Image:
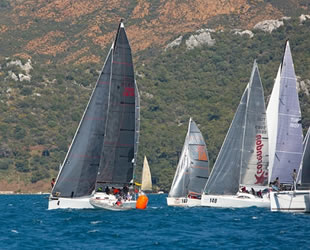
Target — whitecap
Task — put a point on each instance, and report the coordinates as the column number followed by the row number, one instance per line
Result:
column 95, row 222
column 254, row 218
column 14, row 231
column 93, row 231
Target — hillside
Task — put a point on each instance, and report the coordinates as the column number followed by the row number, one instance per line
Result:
column 51, row 53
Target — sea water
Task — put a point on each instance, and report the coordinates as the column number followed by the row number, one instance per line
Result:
column 27, row 224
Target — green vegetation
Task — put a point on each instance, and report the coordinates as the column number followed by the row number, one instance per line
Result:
column 205, row 83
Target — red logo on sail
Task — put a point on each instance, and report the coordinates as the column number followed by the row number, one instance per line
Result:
column 129, row 92
column 202, row 156
column 260, row 175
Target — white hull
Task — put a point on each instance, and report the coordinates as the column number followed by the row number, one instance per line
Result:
column 183, row 202
column 109, row 202
column 65, row 203
column 290, row 201
column 240, row 200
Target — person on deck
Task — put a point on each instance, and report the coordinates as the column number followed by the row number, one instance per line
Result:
column 53, row 182
column 107, row 190
column 294, row 176
column 276, row 184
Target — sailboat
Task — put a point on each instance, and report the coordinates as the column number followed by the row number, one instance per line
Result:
column 284, row 117
column 297, row 200
column 241, row 165
column 192, row 171
column 146, row 184
column 103, row 151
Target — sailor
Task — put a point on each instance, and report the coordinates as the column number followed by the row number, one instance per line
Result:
column 294, row 176
column 107, row 190
column 53, row 182
column 276, row 184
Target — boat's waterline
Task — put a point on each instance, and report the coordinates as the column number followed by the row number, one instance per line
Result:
column 65, row 203
column 183, row 202
column 241, row 200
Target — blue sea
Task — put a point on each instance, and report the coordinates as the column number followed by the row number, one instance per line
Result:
column 27, row 224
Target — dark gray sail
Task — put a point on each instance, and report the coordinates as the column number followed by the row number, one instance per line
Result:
column 116, row 165
column 255, row 158
column 224, row 178
column 305, row 163
column 79, row 170
column 288, row 151
column 193, row 167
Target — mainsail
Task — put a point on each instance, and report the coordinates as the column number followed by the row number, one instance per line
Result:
column 288, row 150
column 146, row 184
column 79, row 169
column 119, row 145
column 193, row 167
column 254, row 154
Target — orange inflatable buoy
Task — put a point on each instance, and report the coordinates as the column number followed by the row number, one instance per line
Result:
column 142, row 202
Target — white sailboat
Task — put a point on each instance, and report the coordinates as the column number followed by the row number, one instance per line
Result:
column 146, row 183
column 243, row 159
column 192, row 171
column 104, row 149
column 287, row 152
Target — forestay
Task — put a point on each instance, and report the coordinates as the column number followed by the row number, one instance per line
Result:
column 289, row 147
column 193, row 167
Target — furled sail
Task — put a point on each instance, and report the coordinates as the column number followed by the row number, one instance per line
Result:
column 146, row 177
column 224, row 178
column 255, row 158
column 116, row 165
column 79, row 170
column 193, row 167
column 289, row 147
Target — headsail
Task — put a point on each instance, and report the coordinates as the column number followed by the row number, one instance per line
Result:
column 79, row 170
column 272, row 114
column 193, row 167
column 146, row 177
column 305, row 163
column 289, row 147
column 224, row 178
column 116, row 165
column 254, row 163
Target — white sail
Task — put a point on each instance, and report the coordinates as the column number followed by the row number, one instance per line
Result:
column 146, row 176
column 254, row 153
column 272, row 120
